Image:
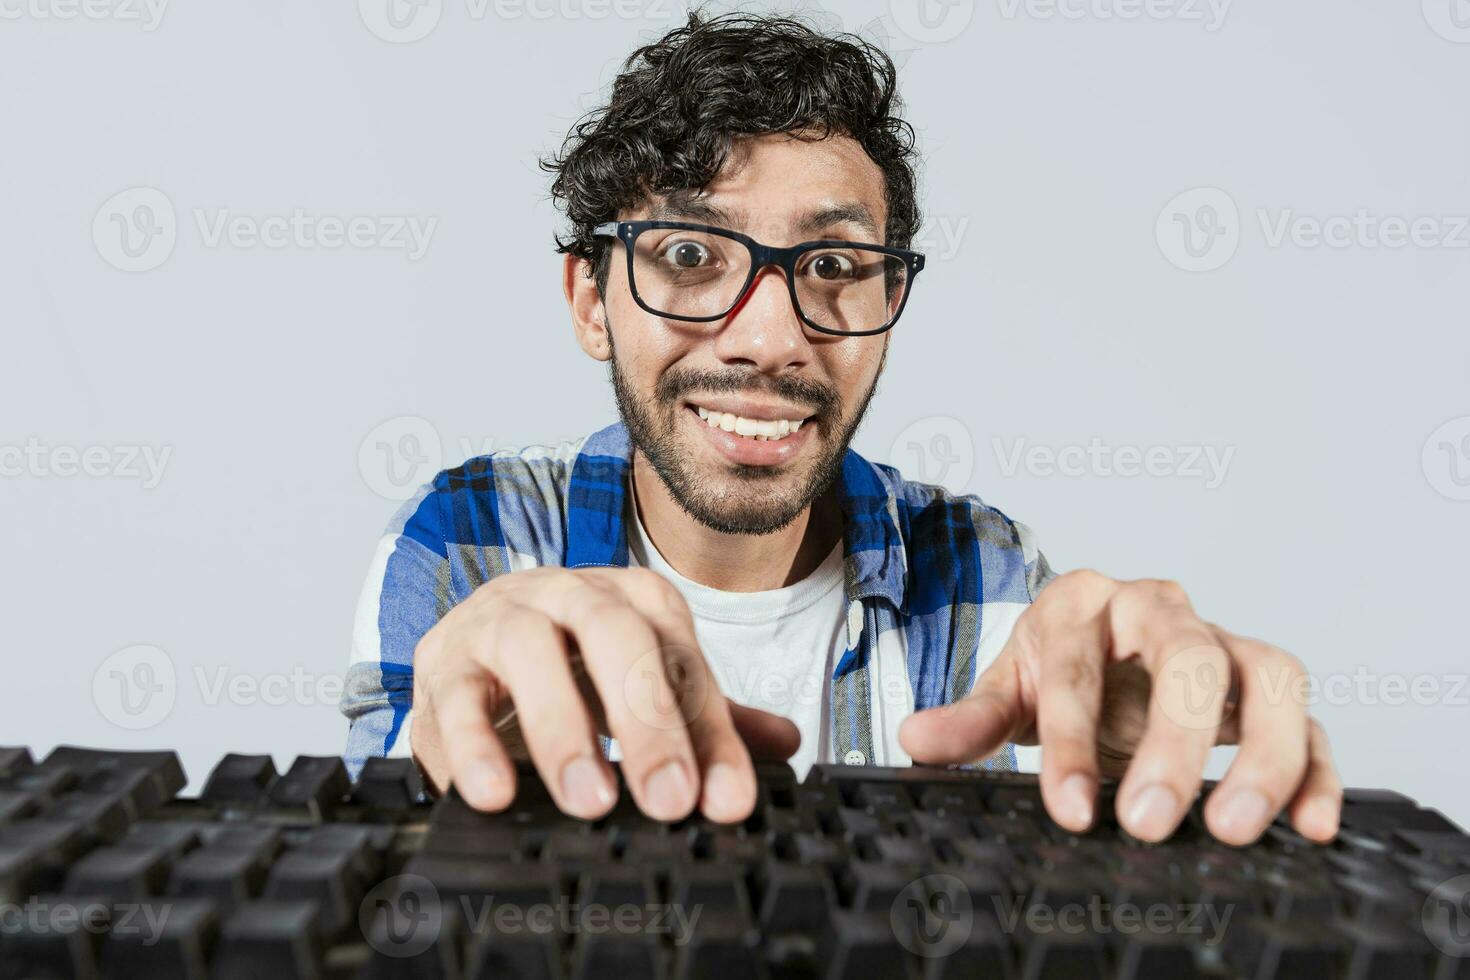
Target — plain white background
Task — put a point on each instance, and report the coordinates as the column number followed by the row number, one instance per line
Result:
column 1065, row 327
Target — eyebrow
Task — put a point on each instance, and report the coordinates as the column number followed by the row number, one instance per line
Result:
column 683, row 207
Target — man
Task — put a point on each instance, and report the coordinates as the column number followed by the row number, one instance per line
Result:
column 719, row 576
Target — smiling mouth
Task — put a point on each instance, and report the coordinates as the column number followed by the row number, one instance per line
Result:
column 759, row 430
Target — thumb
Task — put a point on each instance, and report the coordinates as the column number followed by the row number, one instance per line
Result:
column 768, row 737
column 975, row 727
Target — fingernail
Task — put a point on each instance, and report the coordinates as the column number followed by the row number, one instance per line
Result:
column 723, row 789
column 1153, row 812
column 478, row 784
column 1074, row 799
column 668, row 792
column 1244, row 814
column 585, row 787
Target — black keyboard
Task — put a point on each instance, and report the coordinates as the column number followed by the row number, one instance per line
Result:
column 854, row 872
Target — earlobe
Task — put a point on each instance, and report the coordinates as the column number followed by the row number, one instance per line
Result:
column 589, row 318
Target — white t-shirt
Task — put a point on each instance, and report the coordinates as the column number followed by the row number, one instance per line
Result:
column 773, row 650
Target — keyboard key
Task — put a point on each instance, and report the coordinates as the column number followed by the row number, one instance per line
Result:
column 858, row 945
column 392, row 785
column 1062, row 953
column 229, row 877
column 327, row 878
column 1282, row 951
column 161, row 939
column 165, row 775
column 271, row 941
column 240, row 781
column 121, row 873
column 14, row 759
column 313, row 786
column 719, row 949
column 413, row 935
column 53, row 936
column 794, row 897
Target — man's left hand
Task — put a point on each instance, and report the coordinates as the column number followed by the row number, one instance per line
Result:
column 1124, row 679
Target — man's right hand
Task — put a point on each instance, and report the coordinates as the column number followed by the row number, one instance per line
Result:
column 579, row 652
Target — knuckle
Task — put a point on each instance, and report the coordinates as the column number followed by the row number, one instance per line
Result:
column 662, row 594
column 1085, row 577
column 1167, row 589
column 1088, row 581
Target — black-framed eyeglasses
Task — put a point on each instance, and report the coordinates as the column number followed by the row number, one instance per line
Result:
column 699, row 273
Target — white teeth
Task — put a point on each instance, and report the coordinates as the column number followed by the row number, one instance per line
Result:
column 762, row 429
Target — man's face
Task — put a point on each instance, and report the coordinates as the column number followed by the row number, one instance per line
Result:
column 760, row 364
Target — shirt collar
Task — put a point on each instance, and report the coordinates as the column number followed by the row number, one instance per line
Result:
column 873, row 545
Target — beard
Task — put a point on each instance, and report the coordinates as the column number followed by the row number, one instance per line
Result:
column 739, row 499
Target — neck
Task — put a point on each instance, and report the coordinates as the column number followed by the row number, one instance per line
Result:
column 734, row 562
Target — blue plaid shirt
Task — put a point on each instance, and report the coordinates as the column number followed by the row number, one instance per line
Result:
column 934, row 581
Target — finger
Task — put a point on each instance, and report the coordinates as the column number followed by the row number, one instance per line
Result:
column 462, row 699
column 1190, row 672
column 975, row 726
column 1272, row 761
column 625, row 658
column 529, row 654
column 727, row 790
column 1316, row 808
column 1068, row 705
column 768, row 737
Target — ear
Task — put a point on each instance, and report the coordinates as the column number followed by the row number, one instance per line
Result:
column 588, row 315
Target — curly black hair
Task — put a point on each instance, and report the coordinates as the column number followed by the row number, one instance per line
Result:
column 680, row 103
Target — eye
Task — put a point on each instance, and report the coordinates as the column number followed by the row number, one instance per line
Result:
column 831, row 266
column 687, row 255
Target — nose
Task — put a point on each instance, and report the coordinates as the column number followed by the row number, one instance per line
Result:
column 763, row 330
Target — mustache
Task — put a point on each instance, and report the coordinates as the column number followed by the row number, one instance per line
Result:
column 804, row 392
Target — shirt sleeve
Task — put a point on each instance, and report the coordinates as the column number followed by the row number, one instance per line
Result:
column 406, row 592
column 1038, row 571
